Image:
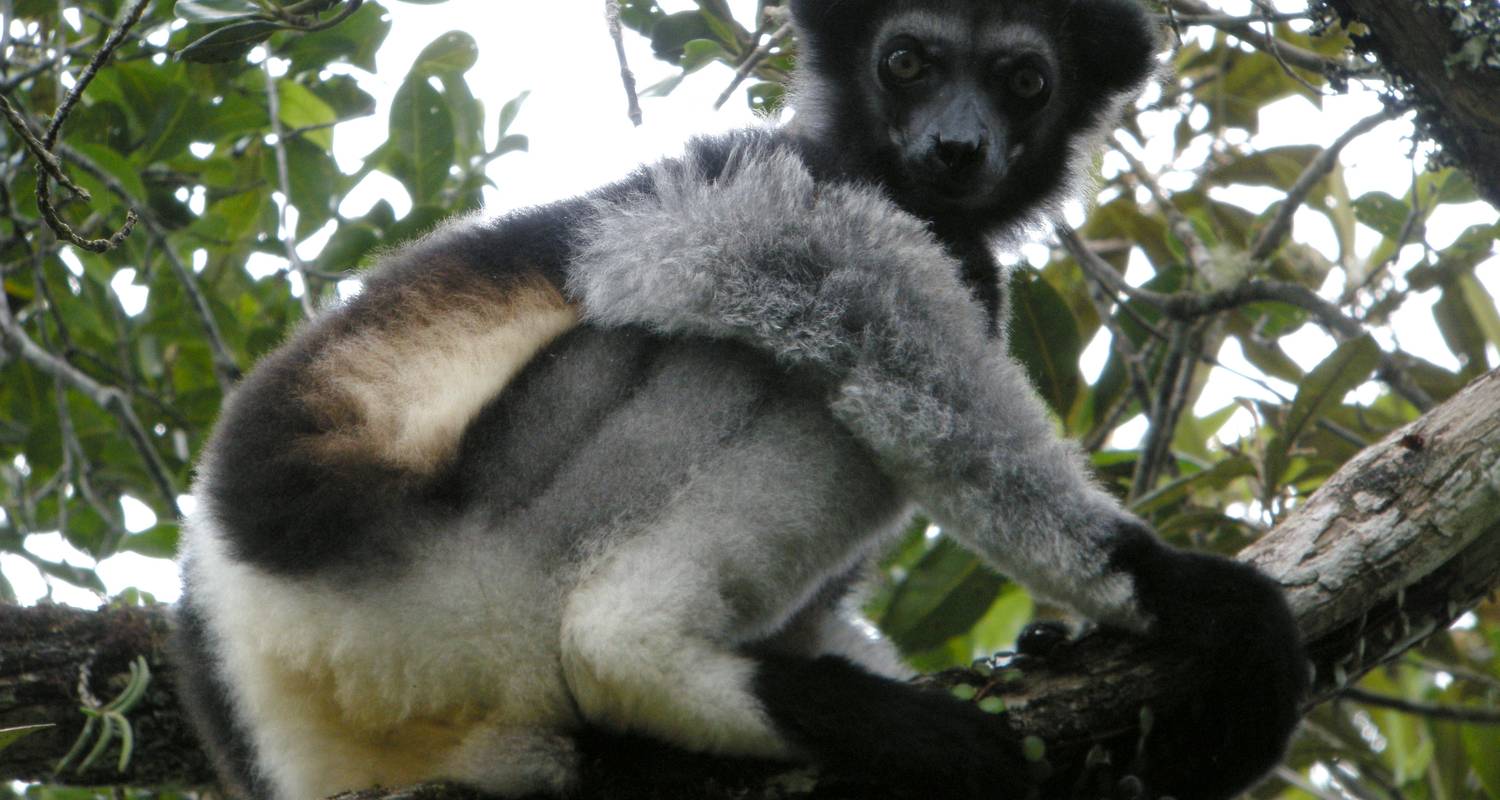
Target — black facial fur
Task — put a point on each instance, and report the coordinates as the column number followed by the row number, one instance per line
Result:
column 983, row 121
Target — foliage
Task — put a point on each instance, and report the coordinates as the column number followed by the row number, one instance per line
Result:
column 226, row 156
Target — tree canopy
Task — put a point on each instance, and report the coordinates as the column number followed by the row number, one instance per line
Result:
column 1231, row 321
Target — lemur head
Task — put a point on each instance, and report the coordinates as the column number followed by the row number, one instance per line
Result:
column 975, row 112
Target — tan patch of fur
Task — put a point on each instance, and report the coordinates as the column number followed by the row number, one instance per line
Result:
column 402, row 381
column 340, row 752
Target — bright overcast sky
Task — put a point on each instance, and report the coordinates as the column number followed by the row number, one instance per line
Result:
column 580, row 137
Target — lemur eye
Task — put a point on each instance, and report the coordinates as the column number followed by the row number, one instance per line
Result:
column 905, row 65
column 1027, row 83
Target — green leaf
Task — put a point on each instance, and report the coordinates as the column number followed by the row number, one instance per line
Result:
column 509, row 111
column 300, row 108
column 1460, row 328
column 1218, row 476
column 1350, row 365
column 1045, row 338
column 117, row 166
column 451, row 54
column 1481, row 307
column 671, row 34
column 9, row 736
column 229, row 43
column 1278, row 167
column 214, row 10
column 510, row 144
column 699, row 53
column 78, row 576
column 1382, row 212
column 943, row 596
column 355, row 40
column 421, row 147
column 158, row 542
column 1482, row 742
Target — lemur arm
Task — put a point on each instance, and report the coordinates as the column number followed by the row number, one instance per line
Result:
column 837, row 279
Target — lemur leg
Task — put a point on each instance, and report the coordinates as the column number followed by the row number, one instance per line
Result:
column 641, row 654
column 830, row 625
column 514, row 762
column 642, row 651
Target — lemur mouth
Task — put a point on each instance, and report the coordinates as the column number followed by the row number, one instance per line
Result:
column 967, row 192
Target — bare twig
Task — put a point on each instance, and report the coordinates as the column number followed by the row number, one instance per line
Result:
column 1197, row 252
column 1275, row 46
column 612, row 19
column 1320, row 166
column 1242, row 28
column 132, row 16
column 1177, row 372
column 48, row 164
column 1476, row 716
column 283, row 177
column 752, row 61
column 1192, row 305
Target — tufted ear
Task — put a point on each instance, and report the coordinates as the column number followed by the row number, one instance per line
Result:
column 1117, row 41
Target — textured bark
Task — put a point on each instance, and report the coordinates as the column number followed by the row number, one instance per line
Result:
column 1459, row 106
column 52, row 657
column 1404, row 538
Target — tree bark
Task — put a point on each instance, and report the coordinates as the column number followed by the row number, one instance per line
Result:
column 1458, row 104
column 1397, row 544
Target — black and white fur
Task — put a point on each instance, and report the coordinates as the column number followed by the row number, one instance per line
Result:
column 616, row 461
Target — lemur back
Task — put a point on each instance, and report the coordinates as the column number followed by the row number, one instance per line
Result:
column 616, row 462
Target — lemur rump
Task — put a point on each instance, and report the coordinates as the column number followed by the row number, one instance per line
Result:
column 615, row 461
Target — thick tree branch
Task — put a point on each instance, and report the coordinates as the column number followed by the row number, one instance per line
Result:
column 1397, row 544
column 1458, row 104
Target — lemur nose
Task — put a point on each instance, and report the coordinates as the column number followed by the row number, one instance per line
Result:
column 959, row 155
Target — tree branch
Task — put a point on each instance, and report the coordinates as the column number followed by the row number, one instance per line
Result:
column 1458, row 104
column 612, row 20
column 1316, row 170
column 1395, row 545
column 13, row 337
column 1478, row 716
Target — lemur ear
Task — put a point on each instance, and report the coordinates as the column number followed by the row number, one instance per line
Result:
column 1115, row 42
column 835, row 26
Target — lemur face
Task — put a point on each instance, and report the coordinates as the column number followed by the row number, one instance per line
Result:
column 959, row 102
column 979, row 109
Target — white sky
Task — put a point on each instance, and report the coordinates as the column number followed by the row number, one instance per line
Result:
column 580, row 138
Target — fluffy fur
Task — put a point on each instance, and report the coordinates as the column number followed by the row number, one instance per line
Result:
column 616, row 462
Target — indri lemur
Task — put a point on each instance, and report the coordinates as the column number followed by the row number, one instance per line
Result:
column 616, row 461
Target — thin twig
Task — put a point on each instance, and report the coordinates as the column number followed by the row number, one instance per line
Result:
column 132, row 16
column 1177, row 373
column 1242, row 28
column 109, row 398
column 1476, row 716
column 226, row 370
column 1275, row 45
column 752, row 61
column 48, row 164
column 283, row 177
column 612, row 19
column 1316, row 170
column 1197, row 251
column 1192, row 305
